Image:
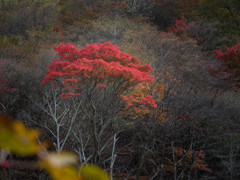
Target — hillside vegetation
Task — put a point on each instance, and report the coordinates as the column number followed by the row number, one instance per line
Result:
column 144, row 89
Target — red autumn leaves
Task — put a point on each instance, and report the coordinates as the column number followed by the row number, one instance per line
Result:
column 228, row 67
column 98, row 65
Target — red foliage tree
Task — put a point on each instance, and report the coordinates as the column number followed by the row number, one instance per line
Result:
column 229, row 65
column 97, row 66
column 182, row 27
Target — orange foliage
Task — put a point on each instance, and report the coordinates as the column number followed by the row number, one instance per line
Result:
column 192, row 159
column 139, row 103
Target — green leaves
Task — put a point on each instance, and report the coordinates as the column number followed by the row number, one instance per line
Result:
column 226, row 12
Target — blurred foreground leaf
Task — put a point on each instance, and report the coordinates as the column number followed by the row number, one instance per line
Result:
column 61, row 173
column 89, row 172
column 15, row 137
column 59, row 159
column 57, row 164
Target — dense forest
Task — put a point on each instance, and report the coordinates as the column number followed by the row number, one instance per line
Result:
column 132, row 89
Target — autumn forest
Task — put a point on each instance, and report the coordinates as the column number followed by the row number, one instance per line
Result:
column 119, row 89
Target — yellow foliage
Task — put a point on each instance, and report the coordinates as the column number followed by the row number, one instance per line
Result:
column 15, row 137
column 89, row 172
column 61, row 173
column 58, row 166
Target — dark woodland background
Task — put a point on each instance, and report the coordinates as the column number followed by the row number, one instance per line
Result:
column 195, row 131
